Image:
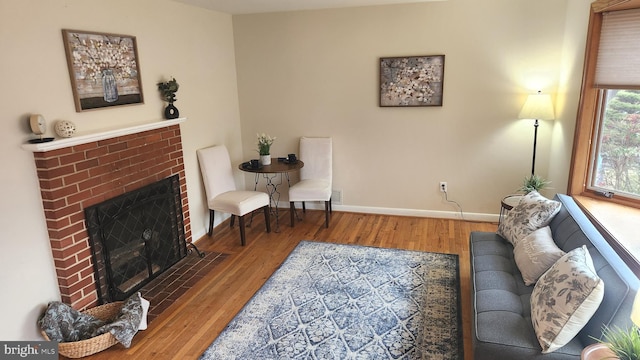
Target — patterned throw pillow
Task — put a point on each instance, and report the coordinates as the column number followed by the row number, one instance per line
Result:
column 565, row 298
column 532, row 212
column 535, row 254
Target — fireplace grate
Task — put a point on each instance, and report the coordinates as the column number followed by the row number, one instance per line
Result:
column 135, row 237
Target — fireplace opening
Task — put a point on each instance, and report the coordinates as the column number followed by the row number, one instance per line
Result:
column 135, row 237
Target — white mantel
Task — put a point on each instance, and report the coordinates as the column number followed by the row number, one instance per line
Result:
column 108, row 134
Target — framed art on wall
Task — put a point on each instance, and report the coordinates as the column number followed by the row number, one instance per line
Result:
column 411, row 81
column 103, row 68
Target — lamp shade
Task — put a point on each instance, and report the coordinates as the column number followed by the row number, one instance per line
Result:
column 635, row 312
column 537, row 107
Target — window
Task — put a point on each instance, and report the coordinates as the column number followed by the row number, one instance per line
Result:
column 615, row 161
column 606, row 154
column 605, row 166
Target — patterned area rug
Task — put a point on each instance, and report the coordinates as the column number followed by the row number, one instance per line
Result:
column 330, row 301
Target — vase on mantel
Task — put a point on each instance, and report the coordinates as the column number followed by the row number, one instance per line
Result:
column 171, row 112
column 265, row 159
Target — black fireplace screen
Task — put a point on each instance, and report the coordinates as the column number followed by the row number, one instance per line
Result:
column 135, row 237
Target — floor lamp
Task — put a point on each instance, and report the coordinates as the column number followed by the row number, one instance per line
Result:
column 537, row 107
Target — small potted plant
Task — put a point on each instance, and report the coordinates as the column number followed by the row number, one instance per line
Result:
column 624, row 343
column 533, row 182
column 264, row 148
column 168, row 90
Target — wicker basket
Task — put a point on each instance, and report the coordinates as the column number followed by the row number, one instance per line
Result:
column 82, row 348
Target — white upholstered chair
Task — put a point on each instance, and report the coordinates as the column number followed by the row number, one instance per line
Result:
column 315, row 176
column 222, row 195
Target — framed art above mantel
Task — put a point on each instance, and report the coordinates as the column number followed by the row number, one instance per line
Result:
column 103, row 68
column 411, row 81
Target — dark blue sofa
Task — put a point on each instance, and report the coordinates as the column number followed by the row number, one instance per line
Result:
column 501, row 310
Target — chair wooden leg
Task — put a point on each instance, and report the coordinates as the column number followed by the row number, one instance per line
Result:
column 330, row 206
column 233, row 220
column 304, row 208
column 327, row 205
column 292, row 211
column 241, row 225
column 210, row 222
column 267, row 218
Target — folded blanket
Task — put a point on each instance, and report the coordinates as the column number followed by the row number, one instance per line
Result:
column 62, row 323
column 126, row 325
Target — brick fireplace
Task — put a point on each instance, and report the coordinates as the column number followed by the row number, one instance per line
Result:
column 79, row 172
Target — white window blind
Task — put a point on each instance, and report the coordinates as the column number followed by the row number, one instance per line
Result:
column 618, row 61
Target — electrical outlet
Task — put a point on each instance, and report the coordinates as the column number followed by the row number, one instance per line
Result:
column 443, row 186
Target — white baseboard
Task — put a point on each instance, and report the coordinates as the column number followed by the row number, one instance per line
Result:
column 403, row 212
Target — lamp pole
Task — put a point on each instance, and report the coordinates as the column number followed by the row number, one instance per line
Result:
column 535, row 140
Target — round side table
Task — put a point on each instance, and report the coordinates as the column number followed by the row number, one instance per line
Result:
column 507, row 203
column 597, row 351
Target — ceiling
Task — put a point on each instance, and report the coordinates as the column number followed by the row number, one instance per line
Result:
column 261, row 6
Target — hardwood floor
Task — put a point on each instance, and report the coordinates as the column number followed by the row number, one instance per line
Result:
column 188, row 326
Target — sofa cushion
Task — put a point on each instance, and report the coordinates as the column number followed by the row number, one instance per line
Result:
column 535, row 254
column 532, row 212
column 565, row 298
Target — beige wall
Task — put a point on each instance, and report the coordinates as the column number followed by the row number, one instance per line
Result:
column 315, row 73
column 568, row 93
column 301, row 73
column 194, row 45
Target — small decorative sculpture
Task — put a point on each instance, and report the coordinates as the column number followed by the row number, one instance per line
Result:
column 65, row 128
